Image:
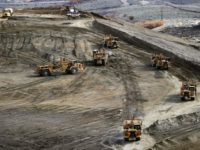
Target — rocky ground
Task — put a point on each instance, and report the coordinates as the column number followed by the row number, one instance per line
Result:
column 86, row 111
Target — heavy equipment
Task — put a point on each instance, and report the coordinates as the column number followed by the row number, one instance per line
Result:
column 188, row 90
column 7, row 12
column 64, row 65
column 110, row 41
column 100, row 57
column 160, row 61
column 132, row 129
column 72, row 12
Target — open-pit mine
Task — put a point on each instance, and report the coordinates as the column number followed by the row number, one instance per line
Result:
column 68, row 82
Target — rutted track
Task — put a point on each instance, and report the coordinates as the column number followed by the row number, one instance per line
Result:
column 125, row 69
column 26, row 85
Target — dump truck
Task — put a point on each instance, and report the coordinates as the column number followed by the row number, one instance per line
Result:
column 100, row 57
column 7, row 12
column 160, row 61
column 188, row 90
column 132, row 129
column 111, row 42
column 64, row 66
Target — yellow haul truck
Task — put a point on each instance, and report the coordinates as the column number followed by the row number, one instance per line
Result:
column 132, row 130
column 110, row 41
column 100, row 57
column 64, row 65
column 160, row 61
column 188, row 91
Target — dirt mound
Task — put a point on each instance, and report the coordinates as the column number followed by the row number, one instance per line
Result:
column 172, row 124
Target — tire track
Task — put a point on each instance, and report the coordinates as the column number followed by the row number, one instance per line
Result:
column 27, row 85
column 124, row 68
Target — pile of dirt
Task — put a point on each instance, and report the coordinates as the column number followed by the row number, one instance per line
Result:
column 173, row 124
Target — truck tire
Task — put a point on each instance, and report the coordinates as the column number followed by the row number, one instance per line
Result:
column 126, row 139
column 166, row 67
column 153, row 64
column 40, row 73
column 182, row 98
column 45, row 73
column 158, row 67
column 67, row 71
column 115, row 45
column 73, row 70
column 103, row 62
column 95, row 62
column 137, row 138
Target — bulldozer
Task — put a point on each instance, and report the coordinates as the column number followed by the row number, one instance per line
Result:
column 188, row 90
column 160, row 61
column 110, row 41
column 100, row 57
column 7, row 12
column 64, row 66
column 132, row 129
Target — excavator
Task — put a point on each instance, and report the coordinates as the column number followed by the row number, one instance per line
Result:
column 110, row 41
column 160, row 61
column 100, row 57
column 132, row 129
column 188, row 90
column 64, row 66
